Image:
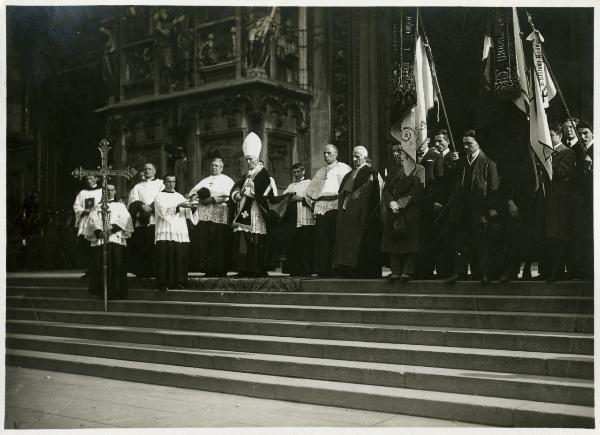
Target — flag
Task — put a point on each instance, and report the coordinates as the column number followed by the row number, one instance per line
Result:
column 522, row 98
column 413, row 92
column 501, row 55
column 487, row 57
column 505, row 110
column 542, row 91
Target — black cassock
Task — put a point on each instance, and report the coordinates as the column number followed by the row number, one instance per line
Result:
column 117, row 271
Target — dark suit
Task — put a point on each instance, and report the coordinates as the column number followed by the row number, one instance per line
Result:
column 579, row 250
column 586, row 226
column 524, row 181
column 444, row 248
column 431, row 161
column 561, row 211
column 475, row 187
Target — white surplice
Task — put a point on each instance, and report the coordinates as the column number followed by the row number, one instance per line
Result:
column 146, row 192
column 170, row 222
column 118, row 216
column 93, row 197
column 219, row 186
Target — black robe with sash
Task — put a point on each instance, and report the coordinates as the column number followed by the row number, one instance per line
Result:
column 358, row 228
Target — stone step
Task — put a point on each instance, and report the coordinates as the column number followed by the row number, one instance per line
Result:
column 492, row 384
column 523, row 288
column 555, row 342
column 532, row 363
column 532, row 288
column 230, row 283
column 540, row 304
column 425, row 317
column 453, row 406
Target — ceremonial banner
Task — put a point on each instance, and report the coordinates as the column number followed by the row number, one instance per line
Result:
column 413, row 92
column 507, row 76
column 500, row 46
column 521, row 100
column 543, row 90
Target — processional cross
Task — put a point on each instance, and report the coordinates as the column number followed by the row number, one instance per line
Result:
column 104, row 172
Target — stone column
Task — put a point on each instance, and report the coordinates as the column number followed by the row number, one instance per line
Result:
column 368, row 84
column 320, row 105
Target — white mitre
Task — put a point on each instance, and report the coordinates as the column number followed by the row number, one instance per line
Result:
column 252, row 145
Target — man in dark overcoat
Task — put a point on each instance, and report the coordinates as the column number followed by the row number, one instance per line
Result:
column 560, row 221
column 431, row 161
column 473, row 208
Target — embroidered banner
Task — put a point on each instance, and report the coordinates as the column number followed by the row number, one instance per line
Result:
column 402, row 77
column 506, row 76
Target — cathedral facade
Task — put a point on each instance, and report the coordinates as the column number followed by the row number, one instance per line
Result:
column 177, row 86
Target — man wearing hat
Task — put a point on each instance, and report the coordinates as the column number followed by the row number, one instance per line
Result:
column 249, row 247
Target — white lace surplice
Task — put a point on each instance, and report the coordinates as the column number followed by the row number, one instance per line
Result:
column 219, row 185
column 170, row 223
column 81, row 222
column 304, row 214
column 118, row 216
column 326, row 182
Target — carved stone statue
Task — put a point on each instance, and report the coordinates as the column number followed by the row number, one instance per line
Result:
column 110, row 66
column 207, row 54
column 185, row 52
column 136, row 23
column 287, row 53
column 231, row 53
column 164, row 26
column 260, row 35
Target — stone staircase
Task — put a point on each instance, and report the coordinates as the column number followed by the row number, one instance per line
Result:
column 518, row 354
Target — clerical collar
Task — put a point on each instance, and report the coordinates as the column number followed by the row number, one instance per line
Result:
column 169, row 191
column 92, row 188
column 150, row 179
column 332, row 164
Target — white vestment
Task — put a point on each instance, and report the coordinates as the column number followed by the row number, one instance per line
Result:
column 146, row 192
column 220, row 187
column 91, row 197
column 304, row 215
column 118, row 216
column 327, row 182
column 170, row 222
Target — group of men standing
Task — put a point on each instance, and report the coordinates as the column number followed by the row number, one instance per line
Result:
column 434, row 215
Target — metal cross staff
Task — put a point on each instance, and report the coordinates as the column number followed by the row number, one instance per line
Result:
column 104, row 172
